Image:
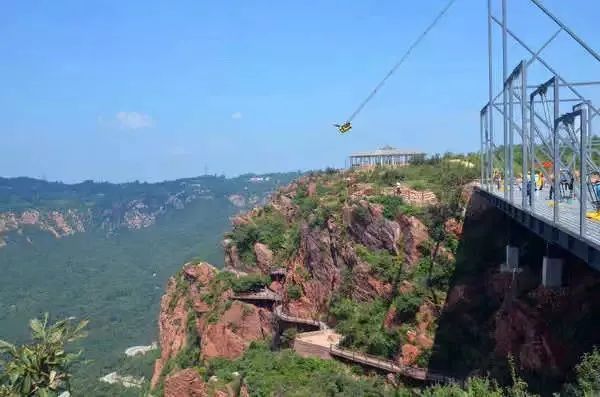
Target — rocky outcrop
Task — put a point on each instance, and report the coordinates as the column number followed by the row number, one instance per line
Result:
column 58, row 223
column 232, row 257
column 413, row 234
column 224, row 334
column 419, row 198
column 284, row 205
column 185, row 383
column 520, row 330
column 368, row 287
column 188, row 383
column 171, row 327
column 264, row 257
column 230, row 336
column 367, row 226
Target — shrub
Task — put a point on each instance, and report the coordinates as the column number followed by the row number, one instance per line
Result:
column 244, row 237
column 291, row 242
column 386, row 266
column 294, row 291
column 390, row 176
column 361, row 213
column 250, row 283
column 407, row 305
column 362, row 326
column 268, row 228
column 322, row 214
column 588, row 376
column 288, row 336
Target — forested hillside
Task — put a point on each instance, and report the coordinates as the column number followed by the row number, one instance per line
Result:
column 109, row 272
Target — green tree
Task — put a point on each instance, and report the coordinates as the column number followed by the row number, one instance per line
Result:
column 42, row 367
column 587, row 382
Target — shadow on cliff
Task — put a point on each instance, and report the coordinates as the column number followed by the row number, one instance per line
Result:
column 488, row 315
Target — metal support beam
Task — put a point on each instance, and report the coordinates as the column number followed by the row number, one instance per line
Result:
column 566, row 29
column 546, row 65
column 539, row 51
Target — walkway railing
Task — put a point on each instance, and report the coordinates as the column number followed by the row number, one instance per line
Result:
column 298, row 320
column 388, row 365
column 358, row 357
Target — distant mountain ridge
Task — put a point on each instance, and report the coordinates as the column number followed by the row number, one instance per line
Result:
column 118, row 245
column 65, row 209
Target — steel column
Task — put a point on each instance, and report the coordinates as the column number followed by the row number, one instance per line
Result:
column 556, row 153
column 504, row 98
column 583, row 170
column 524, row 133
column 490, row 111
column 511, row 132
column 482, row 134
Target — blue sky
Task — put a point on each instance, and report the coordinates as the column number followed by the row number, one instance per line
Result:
column 124, row 90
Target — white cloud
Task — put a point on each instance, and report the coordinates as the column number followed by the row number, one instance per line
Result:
column 134, row 120
column 236, row 115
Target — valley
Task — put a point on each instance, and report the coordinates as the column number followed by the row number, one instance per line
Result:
column 114, row 277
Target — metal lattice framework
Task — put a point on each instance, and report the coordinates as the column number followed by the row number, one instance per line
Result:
column 549, row 133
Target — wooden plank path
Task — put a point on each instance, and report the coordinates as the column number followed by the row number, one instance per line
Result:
column 336, row 351
column 390, row 366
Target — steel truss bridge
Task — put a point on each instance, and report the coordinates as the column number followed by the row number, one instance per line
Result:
column 546, row 125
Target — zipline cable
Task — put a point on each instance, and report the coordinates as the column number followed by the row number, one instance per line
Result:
column 347, row 125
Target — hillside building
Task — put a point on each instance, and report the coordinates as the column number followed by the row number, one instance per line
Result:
column 387, row 155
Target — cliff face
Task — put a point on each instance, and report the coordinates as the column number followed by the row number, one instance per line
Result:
column 198, row 318
column 489, row 316
column 410, row 283
column 324, row 246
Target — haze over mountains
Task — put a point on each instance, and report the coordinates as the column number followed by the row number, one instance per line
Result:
column 103, row 251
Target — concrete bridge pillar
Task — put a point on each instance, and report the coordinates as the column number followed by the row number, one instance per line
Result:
column 552, row 272
column 512, row 259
